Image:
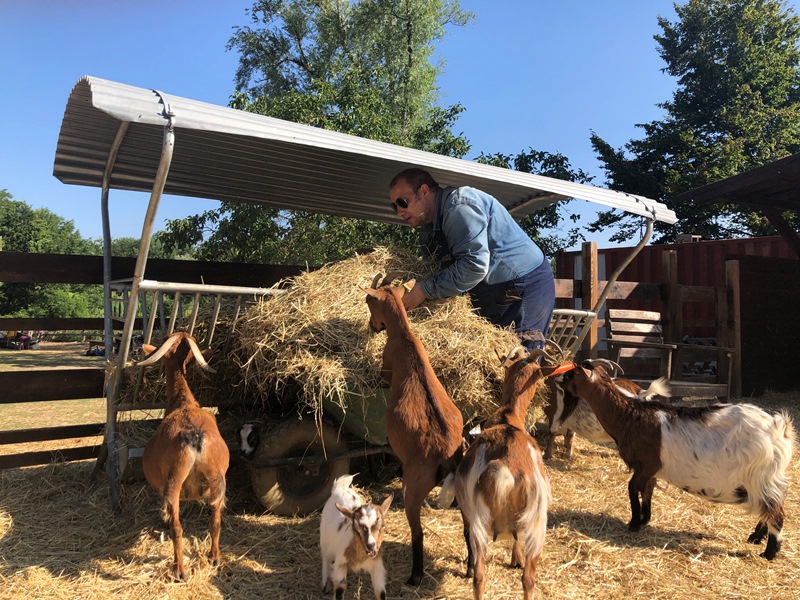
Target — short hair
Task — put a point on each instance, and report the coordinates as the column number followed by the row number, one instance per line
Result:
column 415, row 177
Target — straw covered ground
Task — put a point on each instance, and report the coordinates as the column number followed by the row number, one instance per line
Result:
column 59, row 540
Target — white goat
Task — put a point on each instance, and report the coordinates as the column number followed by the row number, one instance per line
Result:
column 350, row 538
column 725, row 453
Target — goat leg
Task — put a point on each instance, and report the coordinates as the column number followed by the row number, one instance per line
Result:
column 215, row 556
column 479, row 580
column 517, row 559
column 647, row 497
column 636, row 510
column 172, row 511
column 529, row 577
column 470, row 553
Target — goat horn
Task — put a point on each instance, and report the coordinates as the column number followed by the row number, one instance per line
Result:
column 198, row 356
column 391, row 277
column 162, row 350
column 539, row 353
column 376, row 280
column 512, row 355
column 610, row 366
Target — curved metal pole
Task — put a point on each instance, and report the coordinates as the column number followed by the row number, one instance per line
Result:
column 112, row 158
column 110, row 434
column 621, row 267
column 115, row 381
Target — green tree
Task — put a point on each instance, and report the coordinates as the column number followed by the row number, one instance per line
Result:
column 363, row 67
column 25, row 229
column 736, row 107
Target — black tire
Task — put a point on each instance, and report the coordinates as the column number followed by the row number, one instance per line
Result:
column 294, row 490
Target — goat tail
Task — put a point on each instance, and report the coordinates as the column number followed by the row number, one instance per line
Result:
column 448, row 491
column 533, row 520
column 659, row 387
column 194, row 438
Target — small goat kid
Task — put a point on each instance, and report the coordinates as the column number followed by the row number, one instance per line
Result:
column 568, row 414
column 350, row 538
column 186, row 458
column 501, row 485
column 423, row 426
column 725, row 453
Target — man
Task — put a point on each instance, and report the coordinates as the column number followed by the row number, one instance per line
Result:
column 485, row 253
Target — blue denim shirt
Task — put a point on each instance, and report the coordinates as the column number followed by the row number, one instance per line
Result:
column 481, row 238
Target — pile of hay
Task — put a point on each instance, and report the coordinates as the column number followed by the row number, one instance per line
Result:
column 59, row 540
column 313, row 344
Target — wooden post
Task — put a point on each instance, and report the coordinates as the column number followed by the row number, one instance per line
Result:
column 672, row 315
column 590, row 292
column 733, row 324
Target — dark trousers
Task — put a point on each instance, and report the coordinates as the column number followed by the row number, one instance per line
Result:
column 524, row 304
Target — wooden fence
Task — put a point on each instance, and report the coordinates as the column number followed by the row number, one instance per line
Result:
column 32, row 386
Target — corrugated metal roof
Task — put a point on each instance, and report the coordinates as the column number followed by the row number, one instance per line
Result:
column 226, row 154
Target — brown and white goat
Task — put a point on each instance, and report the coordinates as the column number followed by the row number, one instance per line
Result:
column 725, row 453
column 186, row 458
column 423, row 426
column 568, row 414
column 501, row 484
column 350, row 537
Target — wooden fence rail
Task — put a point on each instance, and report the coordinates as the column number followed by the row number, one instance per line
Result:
column 38, row 385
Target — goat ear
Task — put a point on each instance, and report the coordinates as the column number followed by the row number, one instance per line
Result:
column 345, row 511
column 386, row 503
column 148, row 349
column 370, row 292
column 409, row 285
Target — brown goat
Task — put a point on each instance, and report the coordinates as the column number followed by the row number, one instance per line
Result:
column 725, row 453
column 423, row 426
column 186, row 458
column 501, row 485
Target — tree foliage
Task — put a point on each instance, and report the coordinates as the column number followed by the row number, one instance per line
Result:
column 364, row 67
column 736, row 107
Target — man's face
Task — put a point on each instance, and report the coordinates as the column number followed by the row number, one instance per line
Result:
column 413, row 207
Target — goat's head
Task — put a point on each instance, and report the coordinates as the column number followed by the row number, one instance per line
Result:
column 380, row 294
column 584, row 377
column 367, row 523
column 248, row 439
column 179, row 349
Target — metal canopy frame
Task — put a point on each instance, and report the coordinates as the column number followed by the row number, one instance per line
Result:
column 123, row 137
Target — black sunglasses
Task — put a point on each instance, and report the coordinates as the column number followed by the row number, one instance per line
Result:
column 401, row 202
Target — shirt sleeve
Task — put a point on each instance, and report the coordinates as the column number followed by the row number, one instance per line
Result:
column 465, row 226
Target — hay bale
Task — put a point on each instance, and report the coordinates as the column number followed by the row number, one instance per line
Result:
column 313, row 345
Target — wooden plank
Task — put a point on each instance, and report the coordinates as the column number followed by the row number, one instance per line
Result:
column 24, row 267
column 38, row 385
column 590, row 294
column 637, row 315
column 47, row 434
column 632, row 290
column 45, row 457
column 53, row 324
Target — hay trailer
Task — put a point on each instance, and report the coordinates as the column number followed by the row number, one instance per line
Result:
column 116, row 136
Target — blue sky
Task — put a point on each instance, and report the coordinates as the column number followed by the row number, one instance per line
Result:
column 530, row 73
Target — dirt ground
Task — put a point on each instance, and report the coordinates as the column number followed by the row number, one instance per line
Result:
column 59, row 539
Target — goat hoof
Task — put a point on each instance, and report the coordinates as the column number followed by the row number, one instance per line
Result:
column 634, row 527
column 414, row 580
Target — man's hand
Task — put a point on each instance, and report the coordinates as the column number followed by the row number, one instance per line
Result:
column 414, row 298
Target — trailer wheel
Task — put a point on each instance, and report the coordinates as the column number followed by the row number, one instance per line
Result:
column 298, row 490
